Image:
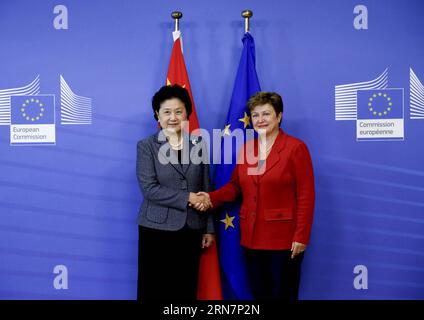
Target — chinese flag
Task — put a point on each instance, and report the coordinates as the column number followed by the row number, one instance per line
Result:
column 209, row 274
column 177, row 74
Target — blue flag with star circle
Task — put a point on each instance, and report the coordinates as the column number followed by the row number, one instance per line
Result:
column 234, row 276
column 380, row 104
column 32, row 109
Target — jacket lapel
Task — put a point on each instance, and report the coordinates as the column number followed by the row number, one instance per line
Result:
column 274, row 156
column 252, row 152
column 187, row 145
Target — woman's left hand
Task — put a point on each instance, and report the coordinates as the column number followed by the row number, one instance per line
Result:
column 207, row 240
column 297, row 248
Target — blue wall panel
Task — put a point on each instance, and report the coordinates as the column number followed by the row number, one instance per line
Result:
column 75, row 203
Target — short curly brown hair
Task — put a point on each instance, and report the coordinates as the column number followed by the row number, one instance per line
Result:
column 262, row 97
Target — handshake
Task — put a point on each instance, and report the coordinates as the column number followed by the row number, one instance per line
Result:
column 200, row 201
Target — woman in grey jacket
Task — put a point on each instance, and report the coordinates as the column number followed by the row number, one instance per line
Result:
column 171, row 232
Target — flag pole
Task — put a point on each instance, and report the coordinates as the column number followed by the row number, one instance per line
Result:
column 246, row 14
column 177, row 15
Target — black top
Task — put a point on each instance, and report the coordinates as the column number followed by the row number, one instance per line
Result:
column 179, row 154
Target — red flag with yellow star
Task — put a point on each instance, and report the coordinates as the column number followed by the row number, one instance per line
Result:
column 209, row 274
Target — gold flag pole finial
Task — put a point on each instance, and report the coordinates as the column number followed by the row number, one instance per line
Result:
column 177, row 15
column 246, row 14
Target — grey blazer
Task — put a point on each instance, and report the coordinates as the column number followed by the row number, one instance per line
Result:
column 166, row 187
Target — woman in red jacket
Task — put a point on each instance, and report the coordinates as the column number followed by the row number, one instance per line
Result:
column 278, row 200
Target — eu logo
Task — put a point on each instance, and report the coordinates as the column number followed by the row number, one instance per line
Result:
column 32, row 120
column 32, row 109
column 380, row 115
column 380, row 104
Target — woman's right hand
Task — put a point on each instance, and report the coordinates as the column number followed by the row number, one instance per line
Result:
column 200, row 201
column 206, row 200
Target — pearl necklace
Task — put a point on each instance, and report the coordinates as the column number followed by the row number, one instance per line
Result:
column 176, row 146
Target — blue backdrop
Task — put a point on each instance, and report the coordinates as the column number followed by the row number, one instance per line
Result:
column 74, row 203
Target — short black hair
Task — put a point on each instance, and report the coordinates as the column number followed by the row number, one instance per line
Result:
column 170, row 92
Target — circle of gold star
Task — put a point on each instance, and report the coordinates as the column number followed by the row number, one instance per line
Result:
column 29, row 109
column 385, row 110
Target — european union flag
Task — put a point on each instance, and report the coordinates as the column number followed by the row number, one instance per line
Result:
column 235, row 282
column 35, row 109
column 380, row 104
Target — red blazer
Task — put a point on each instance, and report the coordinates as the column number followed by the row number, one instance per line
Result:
column 278, row 201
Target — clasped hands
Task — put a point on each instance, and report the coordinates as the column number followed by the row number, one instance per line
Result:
column 200, row 201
